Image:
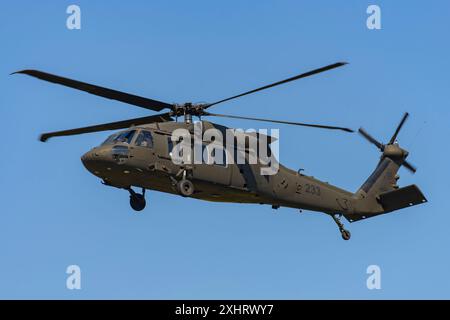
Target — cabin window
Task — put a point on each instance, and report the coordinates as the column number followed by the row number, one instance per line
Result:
column 169, row 145
column 144, row 139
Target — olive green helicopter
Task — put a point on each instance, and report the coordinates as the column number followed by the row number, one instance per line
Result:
column 140, row 155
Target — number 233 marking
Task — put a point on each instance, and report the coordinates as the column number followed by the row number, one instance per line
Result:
column 308, row 188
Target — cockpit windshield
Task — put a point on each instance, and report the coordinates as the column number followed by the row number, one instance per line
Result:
column 125, row 137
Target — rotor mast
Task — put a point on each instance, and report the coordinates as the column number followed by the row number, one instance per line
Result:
column 187, row 114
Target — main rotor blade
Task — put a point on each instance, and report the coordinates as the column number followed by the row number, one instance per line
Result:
column 99, row 91
column 371, row 139
column 280, row 121
column 400, row 125
column 409, row 166
column 108, row 126
column 303, row 75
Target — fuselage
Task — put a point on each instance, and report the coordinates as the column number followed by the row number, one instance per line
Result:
column 141, row 157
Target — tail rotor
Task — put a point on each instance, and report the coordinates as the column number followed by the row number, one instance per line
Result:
column 392, row 149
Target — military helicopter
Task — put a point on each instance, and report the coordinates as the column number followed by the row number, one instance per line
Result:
column 140, row 156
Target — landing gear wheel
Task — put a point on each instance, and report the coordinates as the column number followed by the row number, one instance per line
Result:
column 137, row 201
column 185, row 188
column 346, row 235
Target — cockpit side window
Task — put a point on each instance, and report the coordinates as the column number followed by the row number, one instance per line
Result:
column 144, row 139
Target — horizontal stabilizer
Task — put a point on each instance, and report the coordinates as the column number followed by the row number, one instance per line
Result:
column 401, row 198
column 392, row 200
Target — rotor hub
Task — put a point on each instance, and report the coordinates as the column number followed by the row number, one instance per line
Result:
column 394, row 151
column 188, row 108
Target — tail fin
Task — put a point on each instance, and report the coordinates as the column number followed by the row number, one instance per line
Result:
column 383, row 179
column 380, row 192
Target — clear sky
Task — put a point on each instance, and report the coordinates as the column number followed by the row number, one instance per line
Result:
column 54, row 213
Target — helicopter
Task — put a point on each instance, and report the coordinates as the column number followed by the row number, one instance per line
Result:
column 141, row 155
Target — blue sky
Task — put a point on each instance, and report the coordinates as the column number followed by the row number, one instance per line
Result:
column 54, row 213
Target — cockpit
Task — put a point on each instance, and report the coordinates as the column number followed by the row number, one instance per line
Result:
column 118, row 148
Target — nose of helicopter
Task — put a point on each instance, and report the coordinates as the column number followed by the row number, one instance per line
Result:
column 94, row 160
column 88, row 160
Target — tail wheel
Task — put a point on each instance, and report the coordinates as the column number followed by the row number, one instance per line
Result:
column 185, row 188
column 346, row 235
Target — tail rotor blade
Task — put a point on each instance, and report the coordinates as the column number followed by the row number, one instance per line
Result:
column 400, row 125
column 409, row 166
column 371, row 139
